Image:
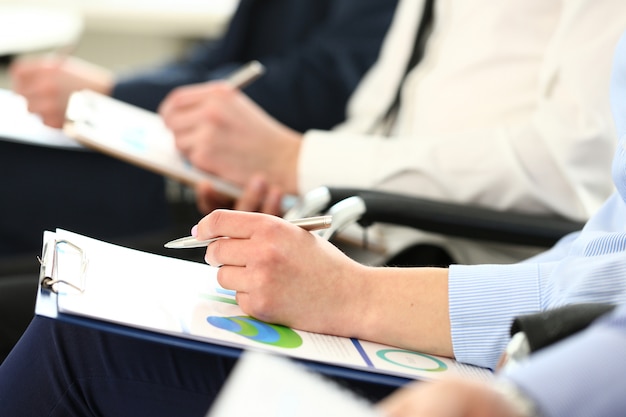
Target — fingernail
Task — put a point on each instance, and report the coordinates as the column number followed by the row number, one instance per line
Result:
column 194, row 231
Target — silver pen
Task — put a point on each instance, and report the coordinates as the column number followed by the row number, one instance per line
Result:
column 307, row 223
column 246, row 74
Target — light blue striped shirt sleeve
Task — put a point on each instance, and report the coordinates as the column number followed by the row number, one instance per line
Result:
column 589, row 266
column 581, row 376
column 484, row 299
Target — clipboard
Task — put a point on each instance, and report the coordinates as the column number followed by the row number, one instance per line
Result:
column 134, row 135
column 93, row 283
column 21, row 126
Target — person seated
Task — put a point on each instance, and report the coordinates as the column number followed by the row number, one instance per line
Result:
column 521, row 123
column 314, row 51
column 281, row 274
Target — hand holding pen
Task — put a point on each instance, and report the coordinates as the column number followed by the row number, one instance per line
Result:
column 276, row 267
column 190, row 97
column 46, row 82
column 221, row 130
column 308, row 223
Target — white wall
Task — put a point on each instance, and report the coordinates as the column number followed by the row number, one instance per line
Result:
column 123, row 35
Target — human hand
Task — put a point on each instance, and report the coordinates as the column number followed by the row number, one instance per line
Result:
column 284, row 274
column 447, row 398
column 47, row 83
column 258, row 195
column 220, row 130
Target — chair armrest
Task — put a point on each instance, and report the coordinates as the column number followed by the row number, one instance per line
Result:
column 459, row 220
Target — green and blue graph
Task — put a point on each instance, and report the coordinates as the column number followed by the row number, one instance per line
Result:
column 259, row 331
column 253, row 329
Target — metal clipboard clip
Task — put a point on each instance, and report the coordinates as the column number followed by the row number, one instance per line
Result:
column 63, row 267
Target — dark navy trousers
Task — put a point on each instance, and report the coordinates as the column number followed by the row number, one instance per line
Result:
column 61, row 369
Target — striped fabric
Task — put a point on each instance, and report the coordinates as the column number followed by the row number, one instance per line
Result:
column 484, row 299
column 589, row 266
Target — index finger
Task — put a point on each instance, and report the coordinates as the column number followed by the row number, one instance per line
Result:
column 188, row 95
column 180, row 97
column 232, row 223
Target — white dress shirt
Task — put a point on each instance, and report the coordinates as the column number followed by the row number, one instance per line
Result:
column 509, row 108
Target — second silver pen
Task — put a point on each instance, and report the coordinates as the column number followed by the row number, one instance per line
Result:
column 246, row 74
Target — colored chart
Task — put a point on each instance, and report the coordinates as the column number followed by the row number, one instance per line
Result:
column 227, row 300
column 269, row 334
column 135, row 138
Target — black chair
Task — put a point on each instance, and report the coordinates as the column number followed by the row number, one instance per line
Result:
column 367, row 207
column 535, row 331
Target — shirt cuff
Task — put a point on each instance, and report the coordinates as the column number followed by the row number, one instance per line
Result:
column 483, row 301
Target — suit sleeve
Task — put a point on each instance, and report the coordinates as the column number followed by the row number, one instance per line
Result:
column 306, row 86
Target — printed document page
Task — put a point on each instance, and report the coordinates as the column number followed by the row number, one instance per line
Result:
column 184, row 299
column 264, row 385
column 135, row 135
column 18, row 125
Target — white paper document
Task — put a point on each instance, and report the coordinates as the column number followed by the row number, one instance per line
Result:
column 134, row 135
column 264, row 385
column 183, row 298
column 18, row 125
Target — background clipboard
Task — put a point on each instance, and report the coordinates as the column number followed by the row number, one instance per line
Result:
column 134, row 135
column 138, row 294
column 21, row 126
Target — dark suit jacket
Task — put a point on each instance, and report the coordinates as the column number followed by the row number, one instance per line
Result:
column 315, row 51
